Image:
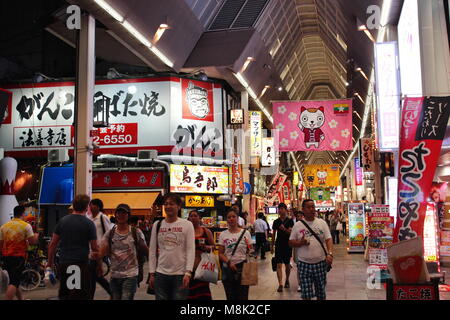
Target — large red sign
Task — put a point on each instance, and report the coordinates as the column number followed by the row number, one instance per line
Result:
column 127, row 180
column 117, row 134
column 424, row 121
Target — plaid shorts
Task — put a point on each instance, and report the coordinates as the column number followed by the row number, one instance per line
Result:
column 313, row 274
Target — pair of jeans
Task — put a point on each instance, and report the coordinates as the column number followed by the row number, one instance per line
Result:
column 124, row 288
column 170, row 287
column 260, row 244
column 335, row 235
column 95, row 278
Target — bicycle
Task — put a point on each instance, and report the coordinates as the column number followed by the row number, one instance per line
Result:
column 34, row 271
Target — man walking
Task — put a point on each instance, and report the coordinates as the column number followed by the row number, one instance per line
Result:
column 281, row 230
column 14, row 239
column 334, row 220
column 172, row 253
column 124, row 244
column 102, row 225
column 75, row 234
column 308, row 237
column 261, row 229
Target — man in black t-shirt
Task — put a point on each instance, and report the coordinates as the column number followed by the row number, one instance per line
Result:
column 75, row 234
column 281, row 231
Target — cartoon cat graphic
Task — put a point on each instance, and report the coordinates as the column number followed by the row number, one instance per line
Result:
column 310, row 122
column 322, row 176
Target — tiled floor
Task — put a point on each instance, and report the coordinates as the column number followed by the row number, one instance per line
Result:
column 346, row 281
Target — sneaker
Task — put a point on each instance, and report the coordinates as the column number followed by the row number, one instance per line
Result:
column 280, row 289
column 286, row 285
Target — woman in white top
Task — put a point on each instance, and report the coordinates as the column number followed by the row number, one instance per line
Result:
column 234, row 245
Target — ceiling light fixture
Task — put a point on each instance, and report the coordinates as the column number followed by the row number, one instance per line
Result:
column 105, row 6
column 280, row 88
column 264, row 90
column 247, row 63
column 158, row 34
column 362, row 73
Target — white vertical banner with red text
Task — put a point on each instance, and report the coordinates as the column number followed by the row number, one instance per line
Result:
column 423, row 126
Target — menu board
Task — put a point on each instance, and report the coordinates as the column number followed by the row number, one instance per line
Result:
column 356, row 227
column 381, row 231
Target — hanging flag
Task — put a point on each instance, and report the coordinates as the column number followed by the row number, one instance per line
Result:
column 320, row 194
column 358, row 173
column 314, row 125
column 423, row 126
column 367, row 152
column 321, row 175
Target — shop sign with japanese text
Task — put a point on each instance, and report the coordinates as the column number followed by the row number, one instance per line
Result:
column 108, row 180
column 168, row 114
column 198, row 179
column 199, row 201
column 255, row 133
column 367, row 152
column 381, row 229
column 237, row 175
column 423, row 126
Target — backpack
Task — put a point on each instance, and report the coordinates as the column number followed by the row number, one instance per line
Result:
column 141, row 254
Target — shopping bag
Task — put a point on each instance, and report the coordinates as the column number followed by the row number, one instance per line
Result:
column 207, row 269
column 339, row 226
column 249, row 275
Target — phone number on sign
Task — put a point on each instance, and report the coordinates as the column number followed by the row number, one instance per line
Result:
column 115, row 139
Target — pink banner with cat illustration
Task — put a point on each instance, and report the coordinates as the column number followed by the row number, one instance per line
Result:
column 314, row 125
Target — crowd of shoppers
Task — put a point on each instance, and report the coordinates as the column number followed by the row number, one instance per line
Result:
column 86, row 239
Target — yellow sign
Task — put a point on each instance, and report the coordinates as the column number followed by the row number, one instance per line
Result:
column 325, row 175
column 295, row 178
column 199, row 201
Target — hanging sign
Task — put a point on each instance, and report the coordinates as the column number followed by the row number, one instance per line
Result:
column 198, row 179
column 314, row 125
column 237, row 116
column 430, row 243
column 295, row 179
column 320, row 194
column 323, row 175
column 237, row 176
column 268, row 152
column 356, row 227
column 255, row 133
column 275, row 188
column 358, row 173
column 367, row 152
column 423, row 126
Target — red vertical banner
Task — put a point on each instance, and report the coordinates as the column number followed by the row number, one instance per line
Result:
column 423, row 125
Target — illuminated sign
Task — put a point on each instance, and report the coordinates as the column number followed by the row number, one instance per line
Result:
column 237, row 116
column 388, row 96
column 199, row 201
column 198, row 179
column 255, row 133
column 268, row 152
column 430, row 243
column 356, row 227
column 296, row 178
column 409, row 50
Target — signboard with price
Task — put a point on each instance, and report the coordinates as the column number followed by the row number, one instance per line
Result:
column 381, row 229
column 356, row 227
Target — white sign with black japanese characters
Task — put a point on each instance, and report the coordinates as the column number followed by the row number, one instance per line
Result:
column 268, row 152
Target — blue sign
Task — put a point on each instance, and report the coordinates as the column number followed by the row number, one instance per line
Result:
column 247, row 188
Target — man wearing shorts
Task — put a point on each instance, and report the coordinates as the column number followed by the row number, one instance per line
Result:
column 14, row 239
column 312, row 261
column 281, row 230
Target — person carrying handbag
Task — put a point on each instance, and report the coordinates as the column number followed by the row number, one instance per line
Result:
column 234, row 245
column 314, row 259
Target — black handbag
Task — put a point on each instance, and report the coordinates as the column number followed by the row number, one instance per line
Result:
column 274, row 264
column 329, row 267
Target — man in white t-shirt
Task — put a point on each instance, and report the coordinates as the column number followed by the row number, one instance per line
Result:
column 311, row 258
column 261, row 235
column 102, row 226
column 174, row 240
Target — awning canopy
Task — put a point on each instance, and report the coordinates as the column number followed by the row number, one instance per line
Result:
column 136, row 200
